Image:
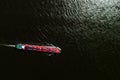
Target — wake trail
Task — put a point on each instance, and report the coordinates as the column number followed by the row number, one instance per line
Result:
column 7, row 45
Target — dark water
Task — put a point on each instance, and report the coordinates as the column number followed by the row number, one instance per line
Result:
column 87, row 31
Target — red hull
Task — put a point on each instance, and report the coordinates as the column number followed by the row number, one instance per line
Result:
column 48, row 49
